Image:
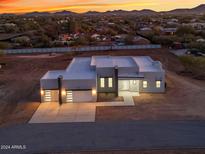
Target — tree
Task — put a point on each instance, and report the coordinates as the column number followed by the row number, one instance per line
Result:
column 184, row 30
column 4, row 45
column 45, row 41
column 129, row 40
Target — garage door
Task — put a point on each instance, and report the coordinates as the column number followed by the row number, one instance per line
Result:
column 51, row 95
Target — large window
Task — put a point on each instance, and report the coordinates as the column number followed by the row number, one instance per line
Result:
column 144, row 84
column 110, row 82
column 158, row 84
column 102, row 82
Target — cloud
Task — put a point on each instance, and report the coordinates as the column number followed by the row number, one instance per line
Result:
column 8, row 1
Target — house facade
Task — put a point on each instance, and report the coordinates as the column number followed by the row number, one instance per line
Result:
column 86, row 77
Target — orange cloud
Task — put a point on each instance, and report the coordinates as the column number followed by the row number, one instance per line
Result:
column 21, row 6
column 8, row 1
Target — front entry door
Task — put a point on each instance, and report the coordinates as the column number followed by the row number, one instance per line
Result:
column 129, row 85
column 134, row 85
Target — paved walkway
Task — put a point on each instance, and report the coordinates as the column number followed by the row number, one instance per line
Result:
column 74, row 137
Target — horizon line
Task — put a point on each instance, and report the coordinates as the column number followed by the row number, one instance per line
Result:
column 60, row 10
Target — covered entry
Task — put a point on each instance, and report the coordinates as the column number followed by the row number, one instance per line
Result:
column 128, row 85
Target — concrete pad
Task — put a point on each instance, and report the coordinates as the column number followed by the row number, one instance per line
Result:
column 74, row 112
column 70, row 112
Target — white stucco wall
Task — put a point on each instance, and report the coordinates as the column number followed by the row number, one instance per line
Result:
column 151, row 78
column 49, row 83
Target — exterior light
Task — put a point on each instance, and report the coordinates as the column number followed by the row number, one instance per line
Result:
column 63, row 92
column 94, row 92
column 42, row 92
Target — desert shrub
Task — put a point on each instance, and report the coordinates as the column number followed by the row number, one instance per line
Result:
column 1, row 53
column 195, row 65
column 4, row 45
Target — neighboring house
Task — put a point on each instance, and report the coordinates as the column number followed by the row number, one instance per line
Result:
column 140, row 40
column 200, row 40
column 87, row 77
column 169, row 31
column 96, row 37
column 146, row 30
column 196, row 25
column 64, row 37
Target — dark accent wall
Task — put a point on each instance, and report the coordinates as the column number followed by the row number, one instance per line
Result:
column 106, row 73
column 116, row 81
column 60, row 78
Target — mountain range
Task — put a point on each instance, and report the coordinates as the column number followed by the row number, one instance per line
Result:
column 196, row 10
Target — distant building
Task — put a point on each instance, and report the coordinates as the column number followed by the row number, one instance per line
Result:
column 146, row 30
column 169, row 31
column 196, row 25
column 138, row 40
column 64, row 37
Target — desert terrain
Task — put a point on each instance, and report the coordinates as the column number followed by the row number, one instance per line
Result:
column 19, row 89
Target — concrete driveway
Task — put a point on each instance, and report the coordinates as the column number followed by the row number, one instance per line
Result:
column 69, row 112
column 72, row 112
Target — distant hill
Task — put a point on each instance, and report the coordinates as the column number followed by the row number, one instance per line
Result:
column 145, row 12
column 64, row 13
column 134, row 12
column 92, row 13
column 197, row 10
column 37, row 14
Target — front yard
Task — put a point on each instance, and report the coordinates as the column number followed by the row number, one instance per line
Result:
column 183, row 100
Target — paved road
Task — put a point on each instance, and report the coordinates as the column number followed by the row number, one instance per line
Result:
column 101, row 136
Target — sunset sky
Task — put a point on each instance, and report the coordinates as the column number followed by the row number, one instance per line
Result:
column 21, row 6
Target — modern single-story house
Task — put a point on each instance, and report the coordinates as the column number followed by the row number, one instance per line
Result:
column 86, row 77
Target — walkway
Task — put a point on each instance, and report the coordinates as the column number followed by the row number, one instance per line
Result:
column 74, row 137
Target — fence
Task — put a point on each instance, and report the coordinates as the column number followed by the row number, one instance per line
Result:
column 88, row 48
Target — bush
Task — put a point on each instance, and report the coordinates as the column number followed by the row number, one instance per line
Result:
column 4, row 45
column 196, row 45
column 195, row 65
column 1, row 53
column 185, row 30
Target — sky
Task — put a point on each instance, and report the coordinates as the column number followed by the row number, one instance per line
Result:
column 22, row 6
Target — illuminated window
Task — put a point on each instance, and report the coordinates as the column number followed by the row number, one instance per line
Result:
column 158, row 84
column 110, row 83
column 144, row 84
column 102, row 82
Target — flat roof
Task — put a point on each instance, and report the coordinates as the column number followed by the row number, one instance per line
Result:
column 80, row 69
column 53, row 74
column 146, row 64
column 84, row 67
column 102, row 61
column 123, row 61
